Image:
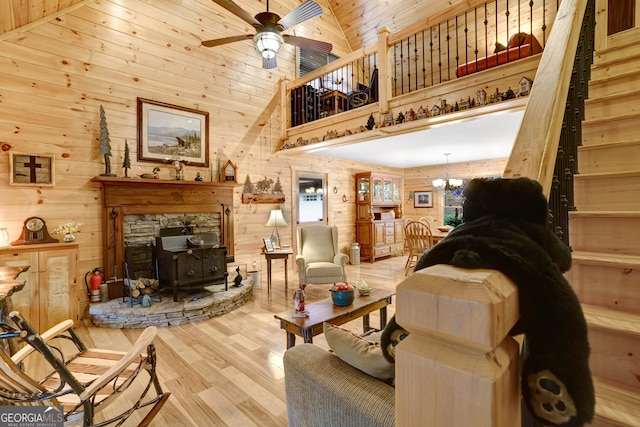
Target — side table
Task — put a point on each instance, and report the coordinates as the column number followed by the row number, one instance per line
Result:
column 279, row 254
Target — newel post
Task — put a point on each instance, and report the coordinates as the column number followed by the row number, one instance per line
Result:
column 459, row 366
column 384, row 69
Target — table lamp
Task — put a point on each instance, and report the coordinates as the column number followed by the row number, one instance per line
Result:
column 4, row 238
column 276, row 220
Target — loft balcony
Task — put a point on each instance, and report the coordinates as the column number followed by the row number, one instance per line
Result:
column 459, row 65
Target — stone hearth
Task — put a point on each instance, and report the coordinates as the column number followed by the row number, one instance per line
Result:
column 192, row 307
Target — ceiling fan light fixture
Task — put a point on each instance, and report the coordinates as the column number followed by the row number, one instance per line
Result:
column 268, row 43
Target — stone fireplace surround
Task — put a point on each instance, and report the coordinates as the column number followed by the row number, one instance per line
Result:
column 139, row 199
column 134, row 210
column 144, row 228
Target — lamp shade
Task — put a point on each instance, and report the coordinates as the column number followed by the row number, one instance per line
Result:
column 4, row 238
column 276, row 219
column 268, row 43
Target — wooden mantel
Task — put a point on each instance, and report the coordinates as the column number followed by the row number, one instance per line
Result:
column 131, row 196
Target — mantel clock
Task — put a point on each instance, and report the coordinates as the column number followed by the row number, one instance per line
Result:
column 34, row 231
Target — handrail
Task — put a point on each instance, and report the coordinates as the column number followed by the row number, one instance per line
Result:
column 431, row 353
column 535, row 148
column 335, row 65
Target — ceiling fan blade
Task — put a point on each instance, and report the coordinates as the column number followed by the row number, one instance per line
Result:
column 269, row 64
column 225, row 40
column 309, row 44
column 238, row 11
column 306, row 10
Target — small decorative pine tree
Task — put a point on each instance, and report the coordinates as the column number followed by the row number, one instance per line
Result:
column 105, row 143
column 248, row 186
column 277, row 187
column 126, row 162
column 371, row 122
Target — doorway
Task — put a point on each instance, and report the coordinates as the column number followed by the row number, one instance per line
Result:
column 311, row 197
column 309, row 200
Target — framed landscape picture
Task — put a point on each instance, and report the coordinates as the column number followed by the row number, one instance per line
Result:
column 423, row 199
column 167, row 132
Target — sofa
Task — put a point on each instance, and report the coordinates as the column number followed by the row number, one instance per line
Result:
column 521, row 45
column 322, row 390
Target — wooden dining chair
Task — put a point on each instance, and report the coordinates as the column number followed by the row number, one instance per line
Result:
column 83, row 381
column 419, row 238
column 425, row 220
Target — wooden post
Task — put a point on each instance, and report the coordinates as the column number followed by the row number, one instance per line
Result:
column 458, row 367
column 384, row 74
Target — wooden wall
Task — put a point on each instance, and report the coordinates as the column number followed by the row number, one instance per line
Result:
column 55, row 74
column 420, row 178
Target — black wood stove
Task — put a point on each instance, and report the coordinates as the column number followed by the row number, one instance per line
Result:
column 190, row 262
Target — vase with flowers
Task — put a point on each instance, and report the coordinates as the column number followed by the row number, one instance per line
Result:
column 68, row 230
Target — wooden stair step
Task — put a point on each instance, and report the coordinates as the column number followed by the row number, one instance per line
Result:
column 618, row 83
column 619, row 234
column 612, row 320
column 607, row 191
column 623, row 127
column 609, row 157
column 608, row 280
column 613, row 105
column 614, row 338
column 616, row 405
column 606, row 259
column 621, row 48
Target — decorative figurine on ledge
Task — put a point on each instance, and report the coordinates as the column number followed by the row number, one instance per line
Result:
column 178, row 165
column 105, row 143
column 199, row 177
column 154, row 175
column 237, row 281
column 126, row 162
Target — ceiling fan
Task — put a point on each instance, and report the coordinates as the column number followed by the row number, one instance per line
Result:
column 269, row 26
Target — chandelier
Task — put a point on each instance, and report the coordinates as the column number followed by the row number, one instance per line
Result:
column 447, row 184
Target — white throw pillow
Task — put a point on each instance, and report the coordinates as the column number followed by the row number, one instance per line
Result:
column 364, row 354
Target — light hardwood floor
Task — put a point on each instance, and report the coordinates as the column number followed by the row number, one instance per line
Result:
column 227, row 371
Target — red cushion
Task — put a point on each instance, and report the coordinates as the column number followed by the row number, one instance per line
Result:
column 502, row 57
column 519, row 39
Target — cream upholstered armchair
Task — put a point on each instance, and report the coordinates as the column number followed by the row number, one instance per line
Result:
column 318, row 258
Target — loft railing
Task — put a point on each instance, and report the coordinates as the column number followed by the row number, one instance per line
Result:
column 449, row 48
column 348, row 85
column 450, row 44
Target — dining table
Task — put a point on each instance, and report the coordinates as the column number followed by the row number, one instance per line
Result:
column 437, row 235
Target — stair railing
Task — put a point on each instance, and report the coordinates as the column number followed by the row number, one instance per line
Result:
column 561, row 200
column 535, row 149
column 442, row 366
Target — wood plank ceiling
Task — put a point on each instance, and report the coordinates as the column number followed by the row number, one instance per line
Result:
column 358, row 19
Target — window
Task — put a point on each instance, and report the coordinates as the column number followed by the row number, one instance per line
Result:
column 309, row 60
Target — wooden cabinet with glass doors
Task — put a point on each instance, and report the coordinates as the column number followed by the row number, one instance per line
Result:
column 379, row 227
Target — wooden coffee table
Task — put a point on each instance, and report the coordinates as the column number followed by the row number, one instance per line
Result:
column 325, row 311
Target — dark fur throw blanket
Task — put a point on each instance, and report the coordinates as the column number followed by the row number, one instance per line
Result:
column 506, row 229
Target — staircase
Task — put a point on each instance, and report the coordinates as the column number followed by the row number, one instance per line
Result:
column 605, row 229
